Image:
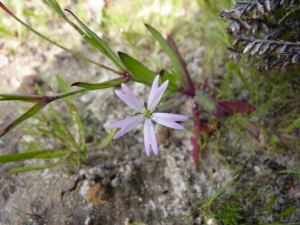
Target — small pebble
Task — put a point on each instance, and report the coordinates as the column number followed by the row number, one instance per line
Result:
column 257, row 169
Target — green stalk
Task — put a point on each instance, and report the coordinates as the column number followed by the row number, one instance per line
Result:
column 56, row 44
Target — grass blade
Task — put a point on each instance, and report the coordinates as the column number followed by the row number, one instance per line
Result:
column 108, row 138
column 25, row 169
column 52, row 155
column 56, row 7
column 32, row 111
column 23, row 156
column 99, row 44
column 170, row 52
column 106, row 84
column 53, row 42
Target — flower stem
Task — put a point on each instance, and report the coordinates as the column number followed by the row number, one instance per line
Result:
column 56, row 44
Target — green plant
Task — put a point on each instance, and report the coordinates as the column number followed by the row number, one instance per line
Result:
column 213, row 208
column 228, row 213
column 128, row 68
column 69, row 134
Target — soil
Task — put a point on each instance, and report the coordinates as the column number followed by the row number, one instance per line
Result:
column 120, row 184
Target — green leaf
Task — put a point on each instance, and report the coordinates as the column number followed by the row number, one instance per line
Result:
column 106, row 84
column 52, row 155
column 63, row 87
column 172, row 81
column 32, row 111
column 108, row 138
column 31, row 146
column 278, row 150
column 211, row 199
column 290, row 171
column 295, row 124
column 20, row 97
column 25, row 169
column 289, row 13
column 205, row 101
column 94, row 40
column 170, row 52
column 286, row 212
column 63, row 134
column 22, row 156
column 5, row 31
column 171, row 103
column 222, row 189
column 271, row 202
column 56, row 7
column 273, row 140
column 140, row 73
column 54, row 135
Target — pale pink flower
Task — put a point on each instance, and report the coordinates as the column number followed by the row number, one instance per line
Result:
column 147, row 114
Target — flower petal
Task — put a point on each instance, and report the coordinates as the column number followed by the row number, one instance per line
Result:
column 156, row 93
column 149, row 138
column 126, row 125
column 169, row 120
column 130, row 99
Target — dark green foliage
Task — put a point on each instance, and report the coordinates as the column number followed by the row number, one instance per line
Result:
column 228, row 213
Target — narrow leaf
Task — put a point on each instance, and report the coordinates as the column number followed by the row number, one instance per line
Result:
column 101, row 45
column 140, row 73
column 21, row 156
column 295, row 124
column 290, row 12
column 170, row 52
column 106, row 84
column 205, row 101
column 31, row 146
column 223, row 188
column 273, row 140
column 290, row 171
column 56, row 7
column 286, row 212
column 56, row 44
column 172, row 81
column 63, row 87
column 208, row 104
column 271, row 202
column 249, row 126
column 32, row 111
column 171, row 103
column 20, row 97
column 25, row 169
column 54, row 135
column 108, row 138
column 62, row 133
column 52, row 155
column 5, row 31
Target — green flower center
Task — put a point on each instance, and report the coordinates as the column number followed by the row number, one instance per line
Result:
column 147, row 114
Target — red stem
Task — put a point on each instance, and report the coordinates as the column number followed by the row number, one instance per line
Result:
column 191, row 88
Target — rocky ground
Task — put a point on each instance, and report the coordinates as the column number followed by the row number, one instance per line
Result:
column 120, row 184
